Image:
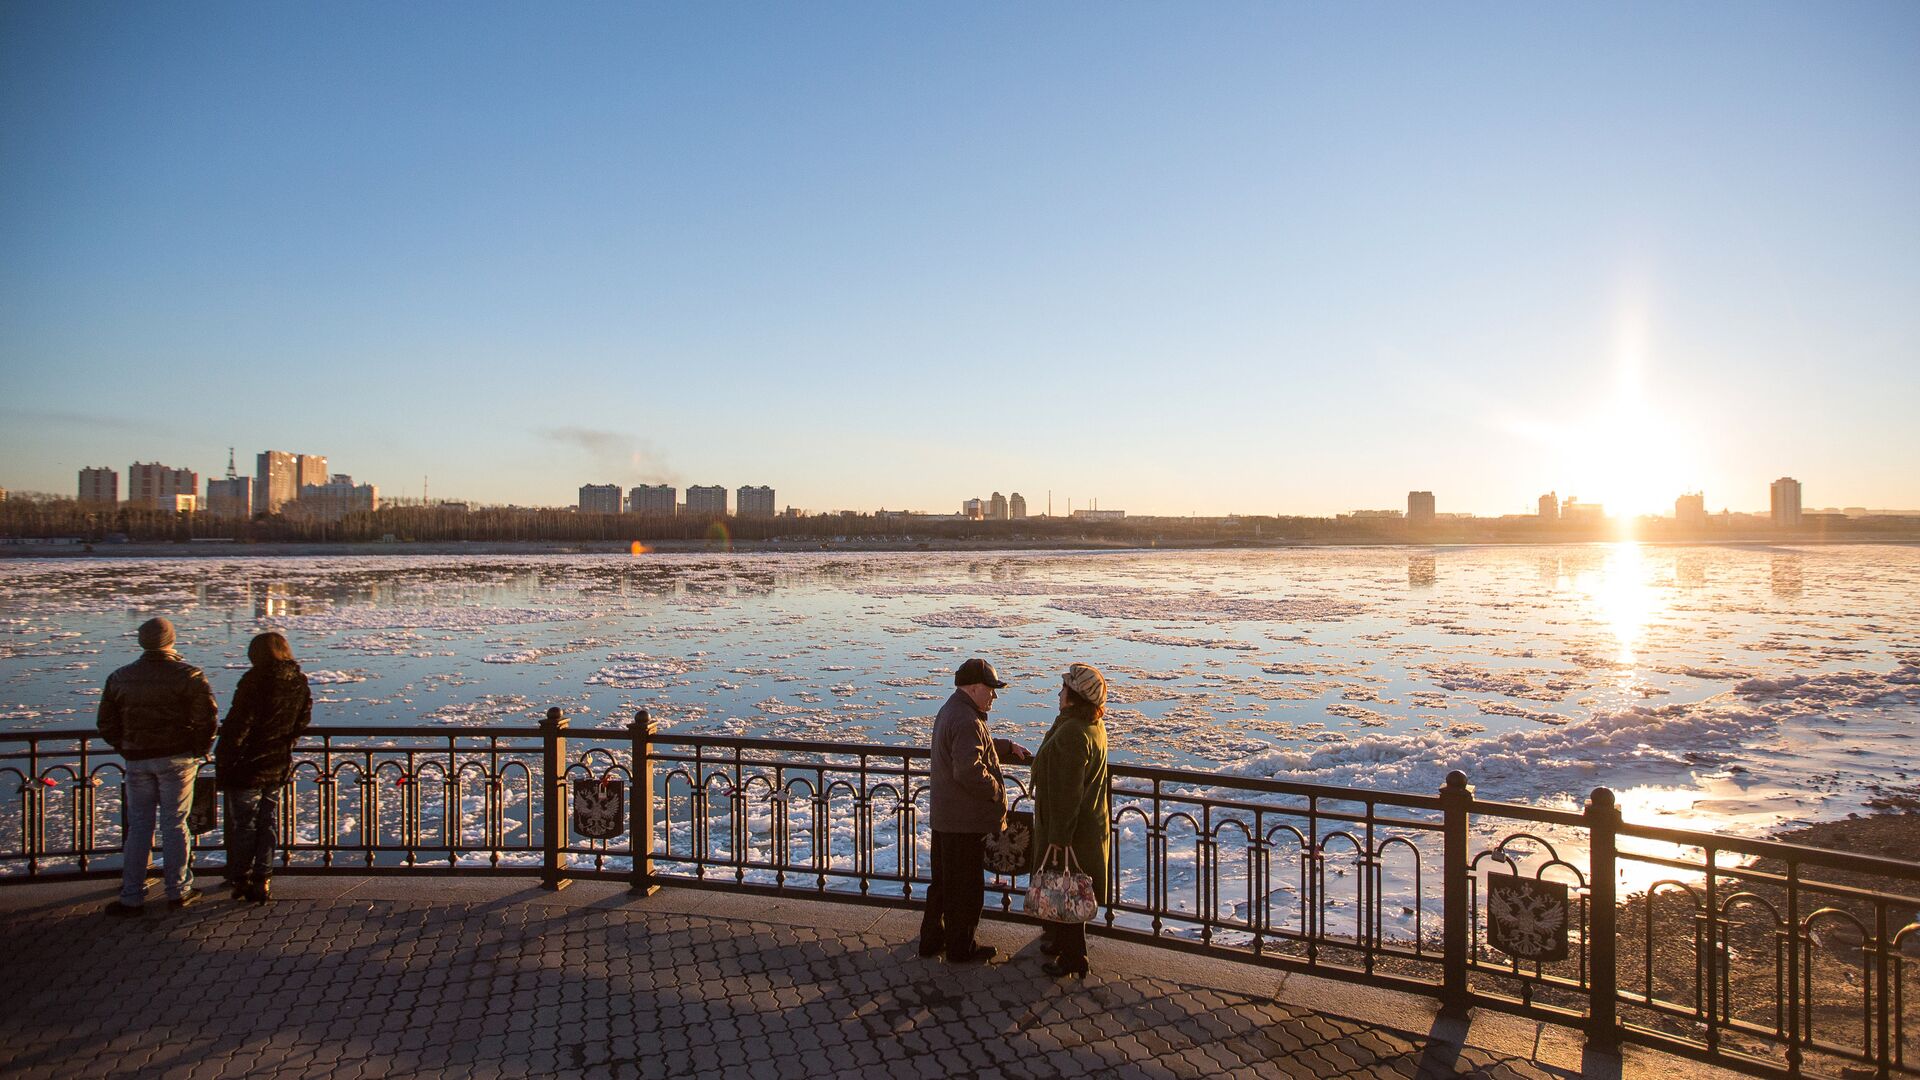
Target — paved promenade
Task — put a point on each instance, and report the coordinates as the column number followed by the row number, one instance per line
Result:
column 358, row 977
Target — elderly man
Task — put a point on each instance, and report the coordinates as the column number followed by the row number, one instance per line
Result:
column 969, row 803
column 158, row 712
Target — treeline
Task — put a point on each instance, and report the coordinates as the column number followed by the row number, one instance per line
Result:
column 66, row 519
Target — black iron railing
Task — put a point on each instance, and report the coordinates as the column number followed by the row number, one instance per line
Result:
column 1771, row 958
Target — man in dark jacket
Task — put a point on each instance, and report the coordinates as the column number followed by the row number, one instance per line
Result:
column 158, row 712
column 968, row 797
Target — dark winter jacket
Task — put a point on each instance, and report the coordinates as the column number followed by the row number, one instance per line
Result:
column 158, row 706
column 271, row 707
column 969, row 794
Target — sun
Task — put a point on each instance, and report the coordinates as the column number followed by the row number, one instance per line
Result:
column 1631, row 460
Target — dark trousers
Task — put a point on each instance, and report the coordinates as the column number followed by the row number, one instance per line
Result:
column 1071, row 941
column 956, row 895
column 253, row 832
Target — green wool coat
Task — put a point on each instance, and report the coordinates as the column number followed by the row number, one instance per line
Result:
column 1070, row 804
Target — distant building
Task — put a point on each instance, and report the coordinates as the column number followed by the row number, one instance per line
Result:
column 1550, row 506
column 750, row 501
column 231, row 498
column 600, row 498
column 1420, row 506
column 973, row 510
column 3, row 494
column 1374, row 515
column 658, row 499
column 1690, row 509
column 1574, row 510
column 1017, row 507
column 153, row 486
column 337, row 498
column 707, row 501
column 1786, row 503
column 997, row 507
column 276, row 480
column 1100, row 515
column 99, row 487
column 310, row 470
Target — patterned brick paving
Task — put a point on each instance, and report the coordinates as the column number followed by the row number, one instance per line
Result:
column 369, row 988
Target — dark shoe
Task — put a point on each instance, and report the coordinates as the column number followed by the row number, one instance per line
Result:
column 237, row 887
column 123, row 911
column 979, row 954
column 928, row 952
column 1056, row 969
column 260, row 891
column 185, row 899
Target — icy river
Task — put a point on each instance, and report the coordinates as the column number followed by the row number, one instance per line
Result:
column 1714, row 687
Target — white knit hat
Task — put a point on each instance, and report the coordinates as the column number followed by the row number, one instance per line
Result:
column 1086, row 680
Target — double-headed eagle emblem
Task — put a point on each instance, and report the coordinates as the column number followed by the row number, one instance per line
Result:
column 1526, row 917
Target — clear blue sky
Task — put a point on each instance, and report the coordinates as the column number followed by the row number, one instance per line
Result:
column 1185, row 258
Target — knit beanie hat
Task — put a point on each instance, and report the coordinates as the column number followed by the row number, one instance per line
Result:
column 156, row 634
column 1086, row 680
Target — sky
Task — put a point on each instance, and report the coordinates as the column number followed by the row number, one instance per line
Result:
column 1221, row 258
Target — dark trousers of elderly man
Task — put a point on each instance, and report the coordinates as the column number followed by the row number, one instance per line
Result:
column 955, row 896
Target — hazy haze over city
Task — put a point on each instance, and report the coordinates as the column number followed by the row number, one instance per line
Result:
column 1182, row 259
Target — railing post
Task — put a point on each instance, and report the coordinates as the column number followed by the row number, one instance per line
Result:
column 554, row 826
column 640, row 811
column 1603, row 824
column 1455, row 800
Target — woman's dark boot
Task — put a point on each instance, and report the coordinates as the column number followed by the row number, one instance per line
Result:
column 259, row 889
column 1057, row 969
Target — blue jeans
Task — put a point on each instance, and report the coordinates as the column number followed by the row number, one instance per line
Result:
column 159, row 791
column 253, row 832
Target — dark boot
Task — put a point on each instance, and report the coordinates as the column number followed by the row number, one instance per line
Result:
column 260, row 889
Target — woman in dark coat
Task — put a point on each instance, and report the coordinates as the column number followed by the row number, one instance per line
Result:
column 254, row 760
column 1070, row 804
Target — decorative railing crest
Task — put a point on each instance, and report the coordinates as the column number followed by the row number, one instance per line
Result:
column 1771, row 958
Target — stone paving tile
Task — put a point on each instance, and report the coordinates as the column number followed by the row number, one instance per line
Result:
column 387, row 988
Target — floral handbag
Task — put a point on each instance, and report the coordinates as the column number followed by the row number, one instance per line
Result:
column 1061, row 892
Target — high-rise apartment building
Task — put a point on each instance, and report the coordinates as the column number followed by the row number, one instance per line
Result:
column 1786, row 502
column 279, row 476
column 1016, row 507
column 750, row 501
column 276, row 480
column 1550, row 506
column 310, row 470
column 709, row 500
column 100, row 487
column 1690, row 509
column 659, row 499
column 152, row 486
column 231, row 498
column 1420, row 507
column 997, row 507
column 600, row 498
column 973, row 509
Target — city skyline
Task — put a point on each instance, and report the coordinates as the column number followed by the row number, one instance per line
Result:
column 93, row 482
column 1193, row 261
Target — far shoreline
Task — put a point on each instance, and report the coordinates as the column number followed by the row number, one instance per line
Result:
column 442, row 548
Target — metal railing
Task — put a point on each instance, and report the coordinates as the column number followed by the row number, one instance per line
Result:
column 1770, row 958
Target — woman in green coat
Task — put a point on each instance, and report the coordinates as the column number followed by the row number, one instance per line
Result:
column 1070, row 807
